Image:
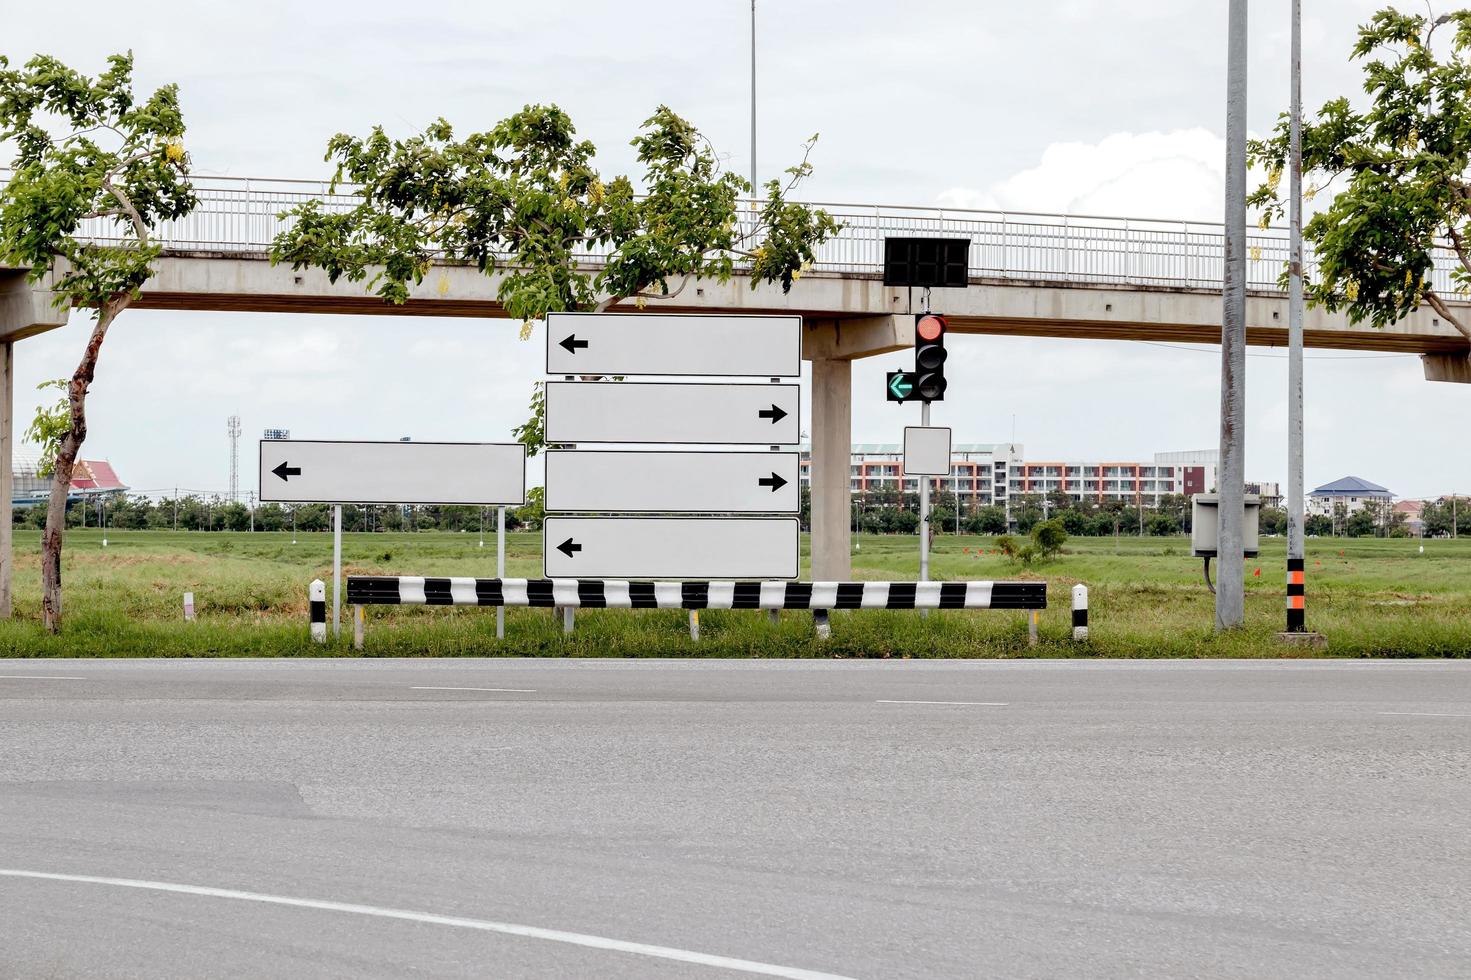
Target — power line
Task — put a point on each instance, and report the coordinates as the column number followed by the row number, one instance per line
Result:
column 1310, row 357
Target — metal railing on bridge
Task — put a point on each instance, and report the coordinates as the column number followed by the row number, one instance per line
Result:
column 241, row 214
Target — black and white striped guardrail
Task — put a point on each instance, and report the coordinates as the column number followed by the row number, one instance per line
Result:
column 614, row 594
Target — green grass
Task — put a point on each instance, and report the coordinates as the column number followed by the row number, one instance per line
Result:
column 1370, row 597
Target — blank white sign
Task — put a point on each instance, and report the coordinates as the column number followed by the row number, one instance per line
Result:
column 712, row 413
column 926, row 450
column 665, row 482
column 306, row 471
column 674, row 343
column 671, row 547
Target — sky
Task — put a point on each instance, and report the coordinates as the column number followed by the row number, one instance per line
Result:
column 1076, row 106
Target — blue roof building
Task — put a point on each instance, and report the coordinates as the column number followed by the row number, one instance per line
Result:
column 1351, row 491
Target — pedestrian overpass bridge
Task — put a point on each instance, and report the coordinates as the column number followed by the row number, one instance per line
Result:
column 1042, row 275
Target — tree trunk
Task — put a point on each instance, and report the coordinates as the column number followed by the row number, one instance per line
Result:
column 65, row 464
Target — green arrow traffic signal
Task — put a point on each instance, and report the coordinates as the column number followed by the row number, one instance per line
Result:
column 901, row 385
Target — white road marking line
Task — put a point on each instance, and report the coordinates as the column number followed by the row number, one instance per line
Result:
column 497, row 690
column 986, row 704
column 1426, row 714
column 484, row 925
column 39, row 677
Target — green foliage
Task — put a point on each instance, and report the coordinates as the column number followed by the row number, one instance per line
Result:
column 527, row 191
column 1273, row 521
column 525, row 201
column 1049, row 537
column 533, row 513
column 987, row 520
column 49, row 425
column 1447, row 516
column 1404, row 164
column 85, row 148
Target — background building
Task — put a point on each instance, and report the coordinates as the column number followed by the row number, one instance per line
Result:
column 986, row 474
column 91, row 478
column 1353, row 492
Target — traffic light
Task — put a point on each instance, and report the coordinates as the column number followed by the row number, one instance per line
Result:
column 929, row 356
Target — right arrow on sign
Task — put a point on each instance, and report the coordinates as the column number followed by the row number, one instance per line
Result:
column 569, row 547
column 775, row 482
column 774, row 413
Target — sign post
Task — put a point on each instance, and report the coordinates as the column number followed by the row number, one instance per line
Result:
column 672, row 547
column 613, row 514
column 926, row 454
column 338, row 472
column 301, row 471
column 500, row 568
column 687, row 413
column 336, row 570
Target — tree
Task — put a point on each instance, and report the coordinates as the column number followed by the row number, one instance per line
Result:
column 86, row 150
column 1360, row 524
column 987, row 520
column 524, row 200
column 1049, row 536
column 1162, row 525
column 1273, row 520
column 1407, row 168
column 1026, row 510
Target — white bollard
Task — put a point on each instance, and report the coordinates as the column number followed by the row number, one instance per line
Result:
column 695, row 625
column 1080, row 612
column 188, row 607
column 317, row 597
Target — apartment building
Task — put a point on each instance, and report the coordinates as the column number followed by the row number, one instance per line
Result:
column 992, row 473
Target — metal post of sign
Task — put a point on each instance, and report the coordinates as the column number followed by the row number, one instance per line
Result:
column 336, row 570
column 500, row 568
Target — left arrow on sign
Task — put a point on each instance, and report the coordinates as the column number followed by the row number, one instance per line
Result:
column 283, row 471
column 572, row 345
column 569, row 547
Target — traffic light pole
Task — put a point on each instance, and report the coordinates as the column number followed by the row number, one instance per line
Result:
column 924, row 508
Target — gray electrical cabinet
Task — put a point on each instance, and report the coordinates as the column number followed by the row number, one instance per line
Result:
column 1205, row 522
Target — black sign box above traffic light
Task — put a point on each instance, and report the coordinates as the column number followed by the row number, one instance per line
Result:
column 926, row 262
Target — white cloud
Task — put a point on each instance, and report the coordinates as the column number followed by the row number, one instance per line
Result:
column 1178, row 174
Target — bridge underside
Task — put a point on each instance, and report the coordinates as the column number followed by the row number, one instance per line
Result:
column 1009, row 307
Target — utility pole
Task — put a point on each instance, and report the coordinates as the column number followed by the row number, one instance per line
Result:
column 1231, row 559
column 232, row 426
column 1296, row 553
column 754, row 192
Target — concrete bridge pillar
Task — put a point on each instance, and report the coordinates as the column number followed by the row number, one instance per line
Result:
column 832, row 345
column 832, row 438
column 24, row 310
column 1455, row 368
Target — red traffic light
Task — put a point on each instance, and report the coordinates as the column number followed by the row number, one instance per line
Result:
column 931, row 326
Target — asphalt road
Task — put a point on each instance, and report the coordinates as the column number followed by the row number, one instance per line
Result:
column 721, row 819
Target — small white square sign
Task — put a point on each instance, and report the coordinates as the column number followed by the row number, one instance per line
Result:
column 926, row 450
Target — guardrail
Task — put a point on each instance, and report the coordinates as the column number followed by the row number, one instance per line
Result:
column 818, row 597
column 242, row 214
